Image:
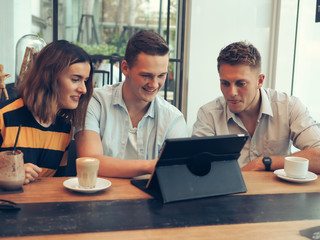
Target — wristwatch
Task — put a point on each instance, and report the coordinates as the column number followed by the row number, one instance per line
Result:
column 267, row 163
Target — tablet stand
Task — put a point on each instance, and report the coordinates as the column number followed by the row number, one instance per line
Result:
column 201, row 175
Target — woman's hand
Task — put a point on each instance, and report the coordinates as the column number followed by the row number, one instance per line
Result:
column 32, row 172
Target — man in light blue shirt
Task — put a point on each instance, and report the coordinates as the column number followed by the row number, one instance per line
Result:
column 127, row 123
column 273, row 120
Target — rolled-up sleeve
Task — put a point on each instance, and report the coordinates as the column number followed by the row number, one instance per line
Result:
column 305, row 131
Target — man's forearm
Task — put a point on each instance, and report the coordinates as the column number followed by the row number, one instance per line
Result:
column 125, row 168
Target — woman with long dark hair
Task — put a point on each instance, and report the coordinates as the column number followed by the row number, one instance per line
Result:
column 52, row 98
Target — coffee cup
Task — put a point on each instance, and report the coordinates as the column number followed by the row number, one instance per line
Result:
column 87, row 171
column 12, row 173
column 296, row 167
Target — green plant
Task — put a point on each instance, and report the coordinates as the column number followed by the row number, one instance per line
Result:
column 103, row 49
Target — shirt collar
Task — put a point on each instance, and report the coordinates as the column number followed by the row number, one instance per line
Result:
column 118, row 100
column 150, row 112
column 264, row 109
column 117, row 94
column 265, row 104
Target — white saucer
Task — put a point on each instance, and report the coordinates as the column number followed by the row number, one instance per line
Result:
column 281, row 174
column 73, row 184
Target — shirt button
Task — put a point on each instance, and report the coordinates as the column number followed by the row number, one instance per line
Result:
column 123, row 142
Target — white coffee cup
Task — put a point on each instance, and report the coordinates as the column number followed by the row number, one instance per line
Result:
column 296, row 167
column 87, row 171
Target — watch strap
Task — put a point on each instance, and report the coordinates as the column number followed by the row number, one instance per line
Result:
column 267, row 163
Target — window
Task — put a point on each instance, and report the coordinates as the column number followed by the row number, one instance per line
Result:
column 103, row 27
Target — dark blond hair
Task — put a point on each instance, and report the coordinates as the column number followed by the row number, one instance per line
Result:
column 240, row 53
column 39, row 88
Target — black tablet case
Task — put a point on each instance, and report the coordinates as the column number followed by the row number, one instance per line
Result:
column 196, row 167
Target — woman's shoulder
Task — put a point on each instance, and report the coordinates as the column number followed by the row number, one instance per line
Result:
column 15, row 102
column 11, row 105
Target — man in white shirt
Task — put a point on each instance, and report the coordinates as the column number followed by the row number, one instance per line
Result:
column 273, row 120
column 127, row 123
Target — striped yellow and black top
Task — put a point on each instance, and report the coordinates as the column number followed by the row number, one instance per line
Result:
column 45, row 147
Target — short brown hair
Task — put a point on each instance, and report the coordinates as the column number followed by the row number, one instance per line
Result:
column 39, row 87
column 147, row 42
column 240, row 53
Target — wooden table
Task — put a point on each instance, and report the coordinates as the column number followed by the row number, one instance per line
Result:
column 50, row 190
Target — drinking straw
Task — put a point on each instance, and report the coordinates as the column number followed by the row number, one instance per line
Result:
column 15, row 144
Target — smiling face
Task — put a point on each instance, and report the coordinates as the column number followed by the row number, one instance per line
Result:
column 145, row 78
column 240, row 86
column 72, row 84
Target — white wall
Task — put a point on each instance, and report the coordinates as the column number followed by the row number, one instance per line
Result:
column 7, row 37
column 215, row 24
column 15, row 22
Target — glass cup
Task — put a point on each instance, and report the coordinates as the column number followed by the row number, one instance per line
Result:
column 87, row 171
column 12, row 173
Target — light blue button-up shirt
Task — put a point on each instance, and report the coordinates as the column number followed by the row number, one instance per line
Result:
column 108, row 116
column 283, row 120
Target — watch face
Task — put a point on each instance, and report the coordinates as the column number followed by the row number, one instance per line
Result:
column 267, row 160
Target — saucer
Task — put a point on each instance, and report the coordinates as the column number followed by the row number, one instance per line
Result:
column 281, row 174
column 73, row 184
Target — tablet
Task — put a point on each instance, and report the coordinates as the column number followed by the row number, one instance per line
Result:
column 198, row 167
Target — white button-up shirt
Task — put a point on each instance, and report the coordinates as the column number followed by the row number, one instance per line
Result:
column 283, row 120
